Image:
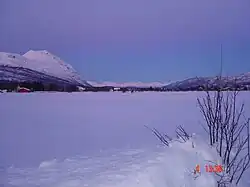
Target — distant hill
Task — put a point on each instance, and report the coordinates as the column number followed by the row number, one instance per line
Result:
column 241, row 82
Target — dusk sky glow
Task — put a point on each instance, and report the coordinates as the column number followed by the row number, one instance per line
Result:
column 132, row 40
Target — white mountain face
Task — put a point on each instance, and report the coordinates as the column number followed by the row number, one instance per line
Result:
column 44, row 62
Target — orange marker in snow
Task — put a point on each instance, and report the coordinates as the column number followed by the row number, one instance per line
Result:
column 197, row 169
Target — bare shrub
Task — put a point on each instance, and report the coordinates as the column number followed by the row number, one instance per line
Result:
column 181, row 134
column 165, row 139
column 228, row 130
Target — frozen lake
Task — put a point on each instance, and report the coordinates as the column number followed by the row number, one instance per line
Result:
column 55, row 132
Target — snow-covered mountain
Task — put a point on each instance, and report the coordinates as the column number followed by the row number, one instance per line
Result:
column 242, row 80
column 127, row 84
column 20, row 74
column 42, row 62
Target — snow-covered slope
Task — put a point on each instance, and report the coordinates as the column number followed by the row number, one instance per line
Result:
column 20, row 74
column 44, row 62
column 227, row 81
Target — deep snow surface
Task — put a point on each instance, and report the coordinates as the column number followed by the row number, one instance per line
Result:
column 98, row 139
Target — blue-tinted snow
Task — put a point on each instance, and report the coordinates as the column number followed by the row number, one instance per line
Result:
column 94, row 139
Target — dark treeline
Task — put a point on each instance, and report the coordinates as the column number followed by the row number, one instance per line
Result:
column 11, row 86
column 37, row 86
column 123, row 89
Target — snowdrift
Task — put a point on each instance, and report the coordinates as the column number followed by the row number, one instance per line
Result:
column 162, row 167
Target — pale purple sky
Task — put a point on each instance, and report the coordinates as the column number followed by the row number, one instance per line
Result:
column 159, row 40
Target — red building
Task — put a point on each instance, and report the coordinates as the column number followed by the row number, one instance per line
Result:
column 23, row 90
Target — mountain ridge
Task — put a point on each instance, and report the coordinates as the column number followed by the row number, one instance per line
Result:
column 44, row 62
column 241, row 81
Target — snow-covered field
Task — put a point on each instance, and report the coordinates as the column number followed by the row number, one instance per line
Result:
column 99, row 140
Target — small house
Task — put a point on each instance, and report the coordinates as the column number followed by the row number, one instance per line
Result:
column 116, row 89
column 81, row 89
column 23, row 90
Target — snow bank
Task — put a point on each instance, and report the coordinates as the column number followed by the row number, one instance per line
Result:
column 163, row 167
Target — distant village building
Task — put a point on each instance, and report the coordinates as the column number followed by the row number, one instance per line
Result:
column 81, row 89
column 116, row 89
column 23, row 90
